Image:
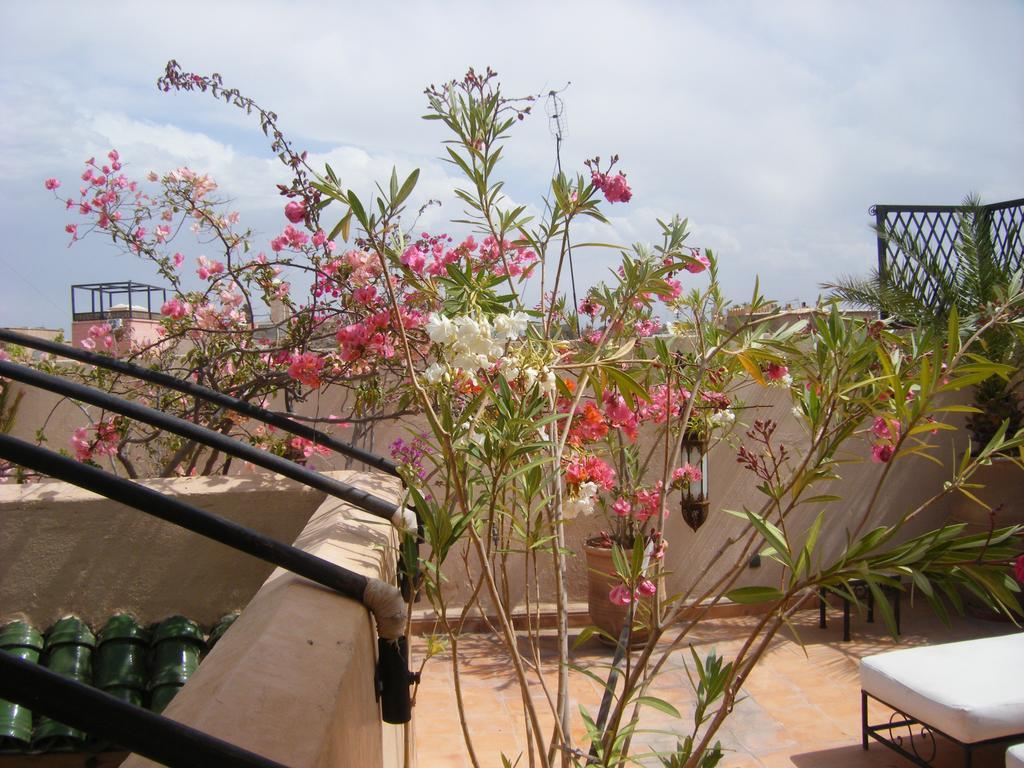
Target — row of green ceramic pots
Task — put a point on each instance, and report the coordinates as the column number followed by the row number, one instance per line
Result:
column 115, row 661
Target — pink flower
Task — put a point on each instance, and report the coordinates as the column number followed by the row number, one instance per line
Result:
column 686, row 474
column 620, row 595
column 699, row 262
column 175, row 308
column 621, row 507
column 179, row 259
column 646, row 588
column 80, row 442
column 880, row 428
column 306, row 368
column 1018, row 569
column 881, row 453
column 51, row 184
column 364, row 295
column 776, row 372
column 308, row 447
column 295, row 211
column 208, row 268
column 615, row 188
column 414, row 259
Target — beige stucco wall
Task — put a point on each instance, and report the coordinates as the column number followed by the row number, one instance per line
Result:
column 292, row 679
column 689, row 556
column 689, row 553
column 66, row 550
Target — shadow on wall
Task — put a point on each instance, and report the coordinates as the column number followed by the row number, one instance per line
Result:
column 65, row 550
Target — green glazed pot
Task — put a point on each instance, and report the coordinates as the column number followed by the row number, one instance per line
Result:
column 25, row 642
column 221, row 627
column 68, row 652
column 177, row 645
column 120, row 662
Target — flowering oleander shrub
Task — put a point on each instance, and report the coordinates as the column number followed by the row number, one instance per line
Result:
column 539, row 410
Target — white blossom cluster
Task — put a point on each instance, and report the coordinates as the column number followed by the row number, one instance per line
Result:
column 583, row 504
column 723, row 418
column 472, row 343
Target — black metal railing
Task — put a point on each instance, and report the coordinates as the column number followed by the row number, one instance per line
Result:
column 140, row 731
column 934, row 230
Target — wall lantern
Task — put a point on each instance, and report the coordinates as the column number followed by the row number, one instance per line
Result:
column 695, row 500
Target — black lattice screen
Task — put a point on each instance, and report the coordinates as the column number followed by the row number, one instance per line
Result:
column 934, row 229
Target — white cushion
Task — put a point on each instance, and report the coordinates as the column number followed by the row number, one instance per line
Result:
column 972, row 690
column 1015, row 757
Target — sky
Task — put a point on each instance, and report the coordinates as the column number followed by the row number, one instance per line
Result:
column 772, row 126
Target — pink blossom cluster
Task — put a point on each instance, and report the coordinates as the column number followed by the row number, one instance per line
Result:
column 885, row 432
column 102, row 335
column 698, row 262
column 175, row 308
column 583, row 468
column 615, row 188
column 291, row 238
column 686, row 474
column 208, row 268
column 101, row 442
column 620, row 594
column 306, row 368
column 307, row 448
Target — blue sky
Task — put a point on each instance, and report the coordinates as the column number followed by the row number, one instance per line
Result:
column 772, row 126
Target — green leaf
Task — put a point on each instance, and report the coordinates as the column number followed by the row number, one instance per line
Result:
column 407, row 188
column 659, row 704
column 357, row 209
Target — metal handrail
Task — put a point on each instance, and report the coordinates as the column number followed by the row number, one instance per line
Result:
column 98, row 713
column 366, row 501
column 393, row 674
column 204, row 393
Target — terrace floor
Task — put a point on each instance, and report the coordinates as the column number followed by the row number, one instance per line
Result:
column 802, row 705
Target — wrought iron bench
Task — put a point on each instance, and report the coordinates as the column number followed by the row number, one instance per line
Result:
column 970, row 692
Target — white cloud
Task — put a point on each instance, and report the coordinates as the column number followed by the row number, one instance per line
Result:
column 772, row 126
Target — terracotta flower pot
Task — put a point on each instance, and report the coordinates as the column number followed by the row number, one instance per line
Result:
column 606, row 615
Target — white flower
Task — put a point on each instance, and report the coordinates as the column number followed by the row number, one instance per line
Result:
column 434, row 373
column 787, row 380
column 723, row 418
column 588, row 490
column 530, row 376
column 798, row 411
column 547, row 381
column 573, row 507
column 440, row 329
column 511, row 327
column 467, row 329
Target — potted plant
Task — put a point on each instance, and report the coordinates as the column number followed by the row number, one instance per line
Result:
column 930, row 293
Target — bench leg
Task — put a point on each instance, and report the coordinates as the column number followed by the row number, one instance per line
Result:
column 864, row 720
column 822, row 606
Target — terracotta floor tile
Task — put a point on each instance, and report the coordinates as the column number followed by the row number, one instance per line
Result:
column 801, row 707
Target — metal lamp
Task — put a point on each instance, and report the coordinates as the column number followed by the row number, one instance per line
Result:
column 695, row 500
